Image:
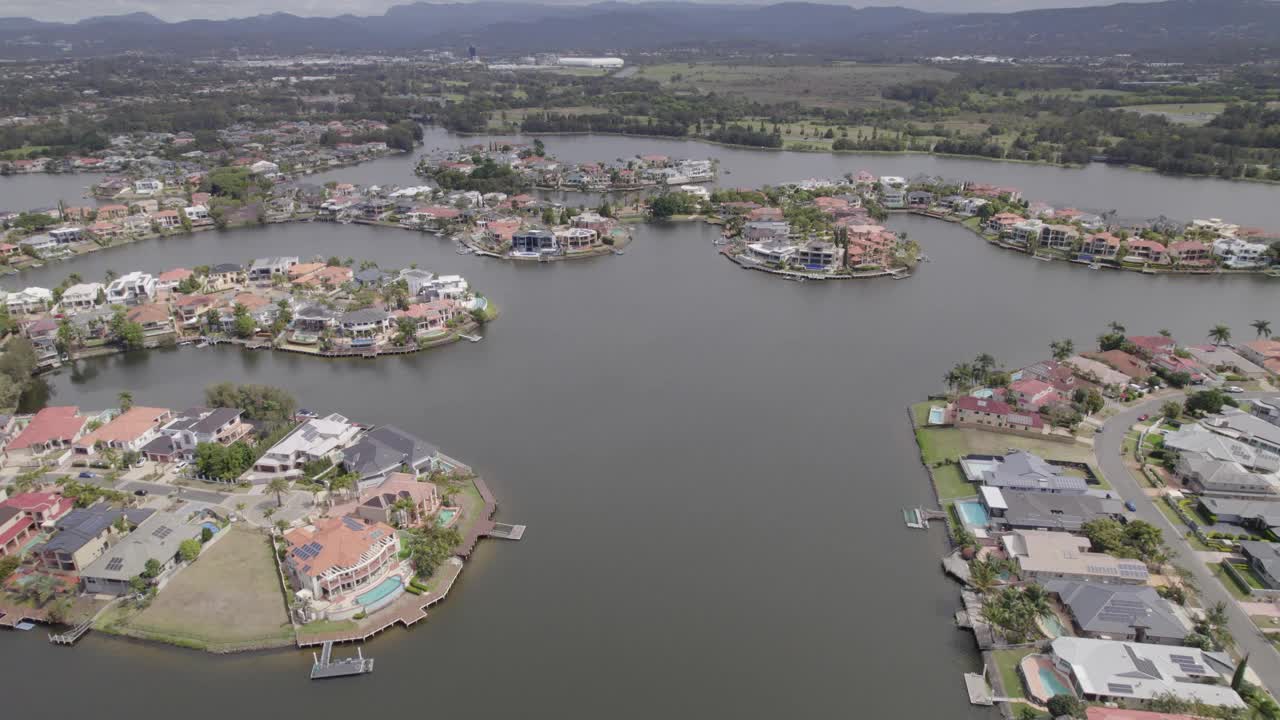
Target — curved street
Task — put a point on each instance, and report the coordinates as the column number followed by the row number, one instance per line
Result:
column 1108, row 446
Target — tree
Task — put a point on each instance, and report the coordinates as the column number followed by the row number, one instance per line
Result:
column 151, row 568
column 983, row 576
column 68, row 336
column 8, row 564
column 1116, row 327
column 1237, row 678
column 1062, row 349
column 125, row 398
column 189, row 549
column 1220, row 334
column 279, row 486
column 406, row 331
column 1066, row 706
column 983, row 364
column 1171, row 409
column 1208, row 402
column 1262, row 327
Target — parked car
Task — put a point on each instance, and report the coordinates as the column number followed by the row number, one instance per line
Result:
column 140, row 493
column 1143, row 417
column 1130, row 506
column 1233, row 389
column 87, row 475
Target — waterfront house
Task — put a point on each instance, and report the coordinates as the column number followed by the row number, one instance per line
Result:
column 1130, row 672
column 1144, row 251
column 534, row 242
column 42, row 245
column 1225, row 360
column 1101, row 712
column 1059, row 237
column 156, row 537
column 592, row 221
column 113, row 212
column 224, row 276
column 147, row 186
column 1026, row 233
column 1021, row 470
column 364, row 326
column 153, row 317
column 337, row 555
column 315, row 439
column 820, row 256
column 766, row 231
column 106, row 230
column 265, row 269
column 385, row 450
column 130, row 430
column 1122, row 362
column 1032, row 394
column 302, row 270
column 1033, row 510
column 1240, row 254
column 577, row 239
column 83, row 534
column 1042, row 555
column 82, row 296
column 1265, row 353
column 191, row 309
column 314, row 319
column 196, row 213
column 15, row 530
column 1002, row 223
column 416, row 280
column 1102, row 246
column 919, row 199
column 371, row 278
column 169, row 279
column 131, row 288
column 1190, row 253
column 773, row 253
column 67, row 234
column 328, row 277
column 1121, row 612
column 52, row 428
column 166, row 219
column 382, row 503
column 431, row 316
column 29, row 300
column 1264, row 559
column 178, row 438
column 987, row 414
column 1152, row 346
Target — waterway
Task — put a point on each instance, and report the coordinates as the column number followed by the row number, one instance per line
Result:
column 710, row 461
column 1097, row 187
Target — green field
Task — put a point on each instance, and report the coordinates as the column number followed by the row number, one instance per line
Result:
column 834, row 85
column 1185, row 113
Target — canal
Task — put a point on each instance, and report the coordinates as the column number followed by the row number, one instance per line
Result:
column 711, row 463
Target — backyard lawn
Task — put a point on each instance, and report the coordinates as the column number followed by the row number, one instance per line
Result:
column 950, row 482
column 1228, row 582
column 1007, row 665
column 229, row 598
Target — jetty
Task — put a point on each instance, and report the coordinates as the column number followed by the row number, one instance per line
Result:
column 326, row 667
column 503, row 531
column 71, row 636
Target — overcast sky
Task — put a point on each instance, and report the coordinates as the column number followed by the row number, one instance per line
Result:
column 64, row 10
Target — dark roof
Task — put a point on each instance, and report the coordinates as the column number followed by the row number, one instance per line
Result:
column 82, row 525
column 370, row 276
column 226, row 268
column 366, row 315
column 1029, row 509
column 161, row 445
column 1021, row 470
column 215, row 419
column 384, row 449
column 7, row 512
column 312, row 312
column 1118, row 609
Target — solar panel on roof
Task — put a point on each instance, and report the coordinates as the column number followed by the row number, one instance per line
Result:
column 1182, row 658
column 115, row 563
column 1120, row 688
column 162, row 532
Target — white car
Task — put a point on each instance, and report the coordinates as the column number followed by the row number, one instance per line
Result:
column 1233, row 389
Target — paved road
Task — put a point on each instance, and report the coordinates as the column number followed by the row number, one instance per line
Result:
column 1263, row 658
column 204, row 496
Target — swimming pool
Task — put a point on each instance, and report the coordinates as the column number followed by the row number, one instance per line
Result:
column 972, row 513
column 379, row 592
column 1052, row 626
column 1049, row 680
column 937, row 416
column 446, row 516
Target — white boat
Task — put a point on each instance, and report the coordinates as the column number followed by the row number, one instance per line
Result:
column 1095, row 266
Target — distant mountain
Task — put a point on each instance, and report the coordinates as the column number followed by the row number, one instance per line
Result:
column 1246, row 28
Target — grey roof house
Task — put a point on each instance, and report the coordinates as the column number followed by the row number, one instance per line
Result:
column 1022, row 470
column 1264, row 557
column 1121, row 612
column 155, row 538
column 1045, row 511
column 83, row 534
column 383, row 451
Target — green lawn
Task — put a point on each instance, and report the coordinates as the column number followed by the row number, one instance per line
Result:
column 1237, row 591
column 920, row 412
column 938, row 444
column 1007, row 665
column 1249, row 575
column 950, row 482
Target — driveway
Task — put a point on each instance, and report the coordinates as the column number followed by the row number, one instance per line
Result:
column 1263, row 658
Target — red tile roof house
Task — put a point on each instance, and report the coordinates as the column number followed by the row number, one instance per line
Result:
column 1263, row 352
column 191, row 308
column 768, row 214
column 154, row 318
column 1152, row 346
column 15, row 530
column 1191, row 253
column 1122, row 362
column 1003, row 222
column 1145, row 250
column 22, row 516
column 430, row 316
column 337, row 556
column 1175, row 364
column 113, row 212
column 993, row 415
column 1102, row 245
column 52, row 428
column 129, row 430
column 42, row 507
column 1033, row 394
column 1098, row 712
column 378, row 504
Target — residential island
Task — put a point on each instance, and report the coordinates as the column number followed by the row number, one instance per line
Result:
column 1115, row 520
column 185, row 526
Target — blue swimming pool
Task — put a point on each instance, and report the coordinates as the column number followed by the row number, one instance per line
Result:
column 445, row 516
column 937, row 415
column 1053, row 625
column 972, row 513
column 1049, row 679
column 383, row 589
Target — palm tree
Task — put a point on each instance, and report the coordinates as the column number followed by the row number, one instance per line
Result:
column 342, row 483
column 1166, row 332
column 984, row 364
column 1220, row 334
column 1062, row 349
column 126, row 399
column 1037, row 598
column 983, row 576
column 279, row 486
column 1116, row 327
column 1262, row 327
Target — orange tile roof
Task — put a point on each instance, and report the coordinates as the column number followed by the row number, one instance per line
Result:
column 342, row 541
column 52, row 423
column 127, row 426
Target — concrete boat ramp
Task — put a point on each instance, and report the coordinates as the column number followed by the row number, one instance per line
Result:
column 326, row 667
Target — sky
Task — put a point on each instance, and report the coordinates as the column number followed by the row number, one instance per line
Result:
column 70, row 10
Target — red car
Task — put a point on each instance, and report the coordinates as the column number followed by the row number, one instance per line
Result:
column 1143, row 417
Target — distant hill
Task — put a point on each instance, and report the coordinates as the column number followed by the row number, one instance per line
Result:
column 1244, row 28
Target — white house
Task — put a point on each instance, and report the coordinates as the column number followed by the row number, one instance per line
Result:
column 315, row 439
column 196, row 212
column 453, row 287
column 32, row 299
column 82, row 296
column 264, row 167
column 147, row 186
column 132, row 288
column 1240, row 254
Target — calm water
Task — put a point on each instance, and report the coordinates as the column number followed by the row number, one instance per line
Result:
column 711, row 463
column 1097, row 187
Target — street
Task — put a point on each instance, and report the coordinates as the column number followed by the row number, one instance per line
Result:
column 1263, row 658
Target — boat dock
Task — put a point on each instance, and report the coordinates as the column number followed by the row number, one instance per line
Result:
column 470, row 338
column 326, row 667
column 978, row 689
column 71, row 636
column 918, row 518
column 503, row 531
